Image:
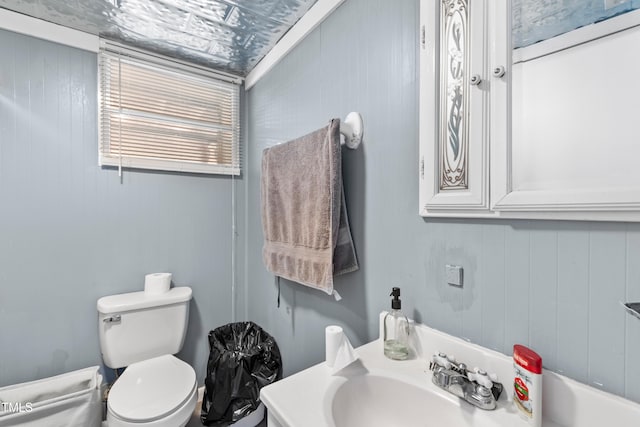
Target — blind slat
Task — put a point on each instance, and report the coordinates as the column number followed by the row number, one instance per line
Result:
column 161, row 121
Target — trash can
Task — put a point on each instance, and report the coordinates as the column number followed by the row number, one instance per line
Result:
column 243, row 358
column 68, row 400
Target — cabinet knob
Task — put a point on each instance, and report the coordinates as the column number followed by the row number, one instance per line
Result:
column 499, row 71
column 475, row 80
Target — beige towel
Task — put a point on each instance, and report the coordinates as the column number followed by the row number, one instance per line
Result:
column 304, row 218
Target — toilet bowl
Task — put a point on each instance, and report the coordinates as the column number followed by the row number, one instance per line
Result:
column 158, row 392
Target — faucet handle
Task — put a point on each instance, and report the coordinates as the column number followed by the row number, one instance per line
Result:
column 480, row 377
column 441, row 359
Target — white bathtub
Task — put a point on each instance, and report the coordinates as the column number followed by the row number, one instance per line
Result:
column 68, row 400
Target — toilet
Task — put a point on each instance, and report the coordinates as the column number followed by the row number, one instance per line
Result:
column 142, row 332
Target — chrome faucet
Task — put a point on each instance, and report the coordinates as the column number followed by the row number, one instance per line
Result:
column 475, row 387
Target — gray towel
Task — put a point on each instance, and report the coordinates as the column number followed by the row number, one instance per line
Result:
column 304, row 218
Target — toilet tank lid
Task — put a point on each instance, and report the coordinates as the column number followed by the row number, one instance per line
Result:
column 140, row 300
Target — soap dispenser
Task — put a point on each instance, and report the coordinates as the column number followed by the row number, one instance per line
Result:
column 396, row 330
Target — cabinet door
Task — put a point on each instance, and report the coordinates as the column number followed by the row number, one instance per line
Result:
column 565, row 117
column 454, row 108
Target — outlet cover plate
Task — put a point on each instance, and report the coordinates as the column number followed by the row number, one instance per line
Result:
column 454, row 275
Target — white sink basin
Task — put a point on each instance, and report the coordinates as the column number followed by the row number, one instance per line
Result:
column 374, row 400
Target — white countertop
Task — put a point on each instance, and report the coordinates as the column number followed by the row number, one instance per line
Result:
column 305, row 399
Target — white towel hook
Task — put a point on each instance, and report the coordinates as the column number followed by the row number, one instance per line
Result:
column 352, row 129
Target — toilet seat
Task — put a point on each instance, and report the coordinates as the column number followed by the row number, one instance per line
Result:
column 152, row 389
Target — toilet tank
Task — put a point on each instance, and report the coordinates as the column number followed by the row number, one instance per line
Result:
column 137, row 326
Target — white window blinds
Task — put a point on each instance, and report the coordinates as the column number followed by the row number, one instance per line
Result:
column 161, row 115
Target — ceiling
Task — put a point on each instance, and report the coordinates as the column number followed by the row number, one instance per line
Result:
column 228, row 35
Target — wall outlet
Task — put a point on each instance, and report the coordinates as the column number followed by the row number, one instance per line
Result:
column 454, row 275
column 608, row 4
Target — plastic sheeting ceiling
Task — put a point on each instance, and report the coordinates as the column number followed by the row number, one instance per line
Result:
column 229, row 35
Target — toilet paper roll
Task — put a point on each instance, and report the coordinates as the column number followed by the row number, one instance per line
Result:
column 157, row 283
column 333, row 336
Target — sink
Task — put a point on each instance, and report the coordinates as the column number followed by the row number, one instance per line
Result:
column 375, row 391
column 371, row 400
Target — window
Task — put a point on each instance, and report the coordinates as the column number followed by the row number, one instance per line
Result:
column 163, row 115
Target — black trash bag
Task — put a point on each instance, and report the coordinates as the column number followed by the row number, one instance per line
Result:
column 243, row 358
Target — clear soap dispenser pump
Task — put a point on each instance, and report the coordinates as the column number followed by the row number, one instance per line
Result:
column 396, row 330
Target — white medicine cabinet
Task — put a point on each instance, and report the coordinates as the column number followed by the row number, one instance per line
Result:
column 545, row 130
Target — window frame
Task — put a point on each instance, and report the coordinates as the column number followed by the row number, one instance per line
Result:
column 107, row 157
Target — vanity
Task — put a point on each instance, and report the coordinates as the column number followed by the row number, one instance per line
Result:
column 376, row 391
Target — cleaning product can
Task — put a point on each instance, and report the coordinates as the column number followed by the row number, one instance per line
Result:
column 527, row 384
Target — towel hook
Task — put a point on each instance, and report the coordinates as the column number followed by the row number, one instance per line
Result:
column 352, row 129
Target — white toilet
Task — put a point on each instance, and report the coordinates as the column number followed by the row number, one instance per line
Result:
column 142, row 332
